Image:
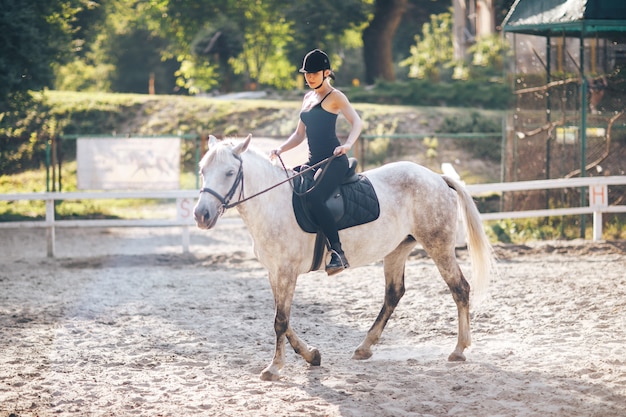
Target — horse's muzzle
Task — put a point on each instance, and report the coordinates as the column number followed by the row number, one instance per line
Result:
column 204, row 220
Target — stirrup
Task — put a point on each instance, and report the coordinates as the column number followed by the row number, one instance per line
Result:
column 338, row 263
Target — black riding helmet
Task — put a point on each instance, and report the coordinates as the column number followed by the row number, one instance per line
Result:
column 315, row 61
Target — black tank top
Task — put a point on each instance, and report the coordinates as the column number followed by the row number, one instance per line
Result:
column 320, row 131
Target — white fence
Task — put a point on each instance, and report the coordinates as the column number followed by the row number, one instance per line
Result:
column 598, row 193
column 184, row 212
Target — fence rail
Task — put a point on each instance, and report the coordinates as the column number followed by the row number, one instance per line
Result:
column 184, row 202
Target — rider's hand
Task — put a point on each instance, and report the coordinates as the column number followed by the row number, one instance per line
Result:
column 274, row 153
column 341, row 150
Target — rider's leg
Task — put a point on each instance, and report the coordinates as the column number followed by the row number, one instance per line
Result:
column 316, row 202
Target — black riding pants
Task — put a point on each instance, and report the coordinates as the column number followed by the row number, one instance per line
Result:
column 327, row 180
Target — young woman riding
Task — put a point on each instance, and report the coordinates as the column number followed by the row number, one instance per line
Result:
column 317, row 124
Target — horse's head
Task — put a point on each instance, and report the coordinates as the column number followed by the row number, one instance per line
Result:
column 222, row 177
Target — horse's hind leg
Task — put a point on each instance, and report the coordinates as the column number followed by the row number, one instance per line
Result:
column 393, row 266
column 460, row 289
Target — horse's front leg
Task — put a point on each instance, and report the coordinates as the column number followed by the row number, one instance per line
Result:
column 283, row 289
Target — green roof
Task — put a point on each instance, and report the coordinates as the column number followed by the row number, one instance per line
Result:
column 566, row 17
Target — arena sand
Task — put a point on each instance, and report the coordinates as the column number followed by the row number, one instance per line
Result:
column 122, row 323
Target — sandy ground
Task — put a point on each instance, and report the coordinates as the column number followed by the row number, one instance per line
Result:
column 123, row 323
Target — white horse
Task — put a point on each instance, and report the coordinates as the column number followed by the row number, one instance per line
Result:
column 417, row 206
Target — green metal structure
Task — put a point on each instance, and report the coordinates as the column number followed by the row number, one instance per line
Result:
column 565, row 54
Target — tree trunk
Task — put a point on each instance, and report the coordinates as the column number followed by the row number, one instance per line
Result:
column 378, row 37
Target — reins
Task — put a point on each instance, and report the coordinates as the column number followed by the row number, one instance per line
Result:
column 226, row 204
column 307, row 169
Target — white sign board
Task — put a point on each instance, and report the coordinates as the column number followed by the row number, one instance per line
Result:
column 184, row 209
column 128, row 163
column 598, row 196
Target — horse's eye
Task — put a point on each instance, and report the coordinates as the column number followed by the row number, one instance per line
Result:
column 230, row 173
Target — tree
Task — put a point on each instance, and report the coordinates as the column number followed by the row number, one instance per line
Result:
column 417, row 13
column 378, row 39
column 433, row 54
column 220, row 41
column 274, row 36
column 325, row 24
column 434, row 51
column 33, row 35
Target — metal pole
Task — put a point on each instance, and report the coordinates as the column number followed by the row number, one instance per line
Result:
column 548, row 114
column 48, row 165
column 583, row 128
column 198, row 144
column 50, row 235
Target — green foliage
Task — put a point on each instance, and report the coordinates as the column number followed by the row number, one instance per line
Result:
column 432, row 57
column 377, row 150
column 485, row 60
column 489, row 52
column 195, row 77
column 263, row 58
column 472, row 121
column 332, row 26
column 525, row 230
column 195, row 45
column 123, row 55
column 79, row 75
column 33, row 35
column 431, row 147
column 553, row 228
column 434, row 51
column 35, row 181
column 455, row 93
column 484, row 148
column 135, row 56
column 616, row 227
column 207, row 65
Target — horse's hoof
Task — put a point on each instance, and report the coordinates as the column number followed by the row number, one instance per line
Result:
column 317, row 358
column 456, row 357
column 268, row 375
column 362, row 354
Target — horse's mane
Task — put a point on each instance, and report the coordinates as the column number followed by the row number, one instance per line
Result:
column 223, row 150
column 218, row 152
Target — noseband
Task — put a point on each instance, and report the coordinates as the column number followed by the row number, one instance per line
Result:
column 225, row 200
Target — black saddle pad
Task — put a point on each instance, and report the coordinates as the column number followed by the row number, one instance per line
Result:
column 352, row 204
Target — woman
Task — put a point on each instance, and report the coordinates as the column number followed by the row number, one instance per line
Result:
column 317, row 122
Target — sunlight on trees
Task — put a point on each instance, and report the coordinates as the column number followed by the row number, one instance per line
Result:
column 207, row 46
column 433, row 51
column 432, row 57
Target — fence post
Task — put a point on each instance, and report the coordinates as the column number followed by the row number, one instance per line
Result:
column 50, row 227
column 598, row 199
column 184, row 212
column 185, row 236
column 597, row 226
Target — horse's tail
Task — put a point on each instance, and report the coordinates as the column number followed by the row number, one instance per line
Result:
column 480, row 251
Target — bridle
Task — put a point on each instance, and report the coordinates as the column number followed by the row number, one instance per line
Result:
column 225, row 200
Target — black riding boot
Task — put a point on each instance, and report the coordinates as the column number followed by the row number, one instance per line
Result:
column 338, row 261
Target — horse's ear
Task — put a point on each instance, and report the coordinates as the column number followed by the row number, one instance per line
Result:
column 243, row 145
column 212, row 141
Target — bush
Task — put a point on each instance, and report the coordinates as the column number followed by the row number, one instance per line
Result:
column 483, row 148
column 458, row 93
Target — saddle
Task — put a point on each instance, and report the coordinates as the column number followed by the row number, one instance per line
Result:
column 353, row 203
